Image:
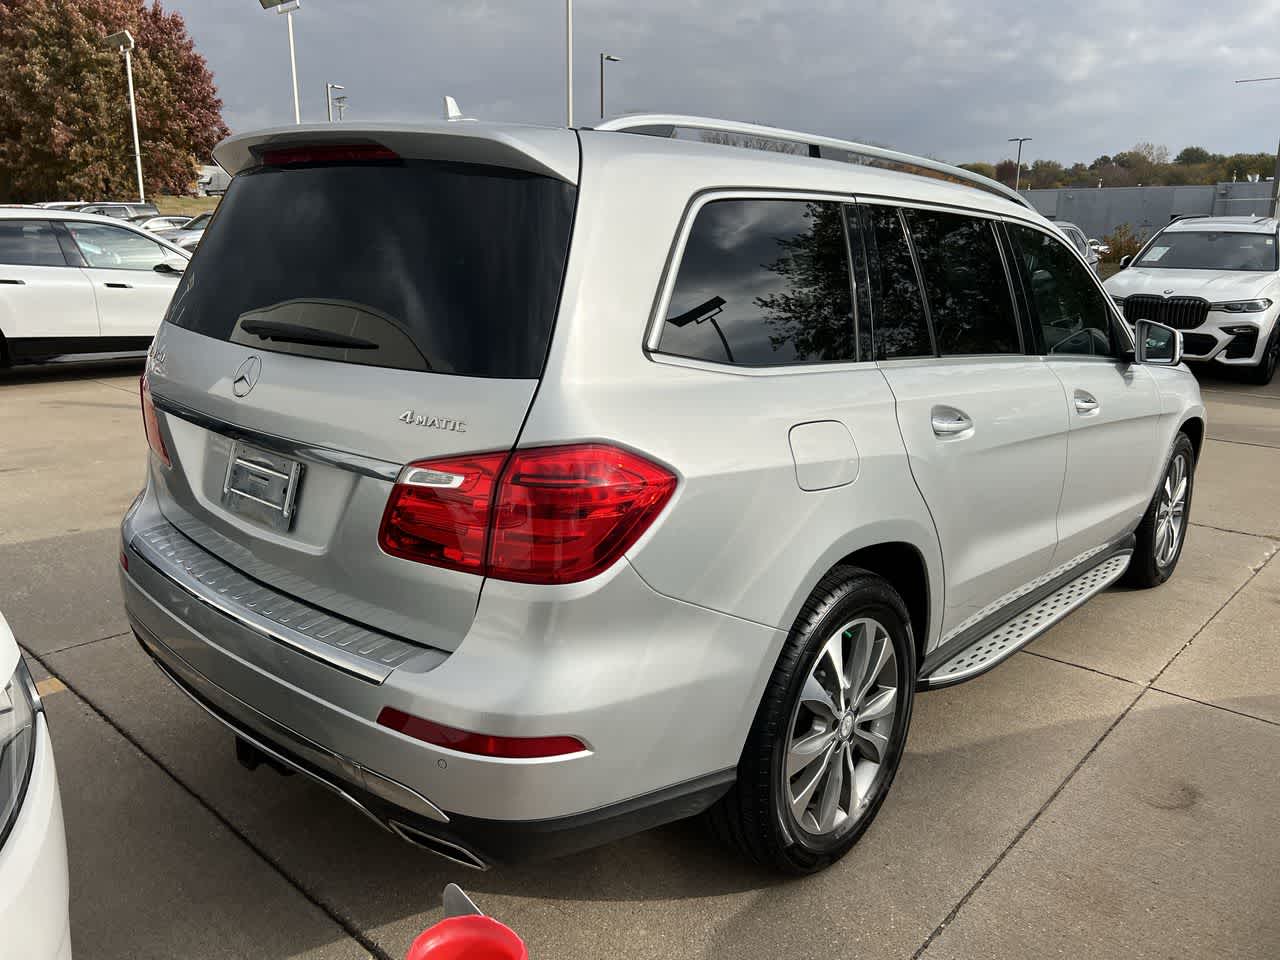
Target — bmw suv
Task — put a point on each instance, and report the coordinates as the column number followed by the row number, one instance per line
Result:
column 529, row 487
column 1218, row 280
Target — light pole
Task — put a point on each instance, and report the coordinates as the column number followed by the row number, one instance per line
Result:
column 605, row 58
column 1017, row 176
column 287, row 7
column 340, row 104
column 568, row 62
column 123, row 41
column 328, row 98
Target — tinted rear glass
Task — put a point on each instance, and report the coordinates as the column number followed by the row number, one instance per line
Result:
column 420, row 265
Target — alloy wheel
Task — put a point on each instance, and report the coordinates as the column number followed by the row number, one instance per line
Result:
column 1171, row 511
column 841, row 729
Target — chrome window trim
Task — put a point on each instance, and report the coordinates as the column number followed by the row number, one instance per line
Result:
column 354, row 462
column 672, row 269
column 711, row 366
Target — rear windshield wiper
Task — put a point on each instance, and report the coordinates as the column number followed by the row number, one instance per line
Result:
column 283, row 332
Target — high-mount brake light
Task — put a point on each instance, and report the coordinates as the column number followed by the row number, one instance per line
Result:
column 543, row 515
column 151, row 423
column 480, row 744
column 327, row 153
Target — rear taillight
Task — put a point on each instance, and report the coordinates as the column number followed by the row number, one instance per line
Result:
column 151, row 424
column 481, row 744
column 545, row 515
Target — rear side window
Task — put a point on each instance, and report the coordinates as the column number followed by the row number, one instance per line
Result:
column 763, row 283
column 420, row 265
column 901, row 328
column 29, row 243
column 115, row 248
column 1071, row 312
column 965, row 284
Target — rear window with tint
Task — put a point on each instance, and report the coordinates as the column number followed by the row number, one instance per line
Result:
column 420, row 265
column 29, row 243
column 763, row 283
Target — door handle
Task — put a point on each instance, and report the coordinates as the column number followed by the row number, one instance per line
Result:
column 1086, row 403
column 119, row 286
column 16, row 283
column 949, row 422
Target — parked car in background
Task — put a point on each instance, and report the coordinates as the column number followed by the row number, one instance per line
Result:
column 74, row 285
column 34, row 915
column 664, row 495
column 120, row 211
column 63, row 204
column 1217, row 279
column 159, row 224
column 188, row 235
column 1078, row 240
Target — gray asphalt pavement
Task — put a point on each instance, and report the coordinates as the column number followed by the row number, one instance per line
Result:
column 1109, row 792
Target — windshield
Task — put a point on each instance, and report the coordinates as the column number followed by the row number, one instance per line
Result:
column 447, row 267
column 1211, row 250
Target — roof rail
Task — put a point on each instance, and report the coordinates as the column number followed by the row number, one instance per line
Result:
column 665, row 125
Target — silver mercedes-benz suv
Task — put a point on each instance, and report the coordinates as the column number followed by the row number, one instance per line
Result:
column 529, row 487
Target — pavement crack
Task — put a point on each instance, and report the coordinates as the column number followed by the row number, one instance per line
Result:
column 1149, row 685
column 1244, row 443
column 1081, row 666
column 84, row 643
column 311, row 896
column 1216, row 706
column 1242, row 533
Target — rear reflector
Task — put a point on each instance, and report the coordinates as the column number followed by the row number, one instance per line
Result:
column 328, row 153
column 151, row 423
column 541, row 515
column 481, row 744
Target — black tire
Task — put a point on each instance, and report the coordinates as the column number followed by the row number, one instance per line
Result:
column 1265, row 371
column 756, row 817
column 1151, row 564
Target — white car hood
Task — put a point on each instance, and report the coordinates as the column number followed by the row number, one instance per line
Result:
column 1216, row 286
column 8, row 653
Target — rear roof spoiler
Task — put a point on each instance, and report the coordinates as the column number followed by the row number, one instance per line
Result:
column 548, row 151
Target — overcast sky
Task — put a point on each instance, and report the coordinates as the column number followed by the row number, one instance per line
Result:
column 947, row 78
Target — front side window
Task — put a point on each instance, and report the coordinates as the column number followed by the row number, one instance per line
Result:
column 1210, row 250
column 115, row 247
column 763, row 283
column 901, row 329
column 29, row 243
column 1071, row 311
column 965, row 284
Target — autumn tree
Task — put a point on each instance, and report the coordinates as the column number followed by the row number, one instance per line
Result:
column 64, row 112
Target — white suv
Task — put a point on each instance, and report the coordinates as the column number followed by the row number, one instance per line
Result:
column 527, row 487
column 1218, row 280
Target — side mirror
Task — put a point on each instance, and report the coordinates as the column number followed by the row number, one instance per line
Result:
column 1125, row 261
column 170, row 268
column 1157, row 344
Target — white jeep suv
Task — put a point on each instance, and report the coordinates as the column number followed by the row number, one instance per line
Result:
column 527, row 487
column 1217, row 279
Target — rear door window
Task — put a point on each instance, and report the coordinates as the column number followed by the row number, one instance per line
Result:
column 965, row 283
column 901, row 327
column 29, row 243
column 415, row 264
column 110, row 247
column 763, row 282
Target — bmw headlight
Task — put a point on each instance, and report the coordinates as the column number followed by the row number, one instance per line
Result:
column 1242, row 306
column 19, row 704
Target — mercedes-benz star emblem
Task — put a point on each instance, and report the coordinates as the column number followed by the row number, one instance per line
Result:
column 246, row 377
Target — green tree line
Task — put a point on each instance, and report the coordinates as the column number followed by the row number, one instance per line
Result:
column 1145, row 164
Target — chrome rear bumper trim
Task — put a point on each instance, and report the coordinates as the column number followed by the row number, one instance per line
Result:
column 347, row 646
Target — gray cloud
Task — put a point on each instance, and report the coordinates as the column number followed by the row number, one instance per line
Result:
column 946, row 78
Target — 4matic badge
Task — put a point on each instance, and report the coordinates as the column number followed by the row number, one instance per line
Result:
column 436, row 423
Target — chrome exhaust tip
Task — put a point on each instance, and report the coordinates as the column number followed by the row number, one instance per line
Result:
column 439, row 846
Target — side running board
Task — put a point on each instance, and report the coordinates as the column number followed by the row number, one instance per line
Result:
column 990, row 649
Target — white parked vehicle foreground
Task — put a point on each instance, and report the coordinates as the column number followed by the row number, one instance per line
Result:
column 1217, row 279
column 76, row 286
column 529, row 487
column 34, row 918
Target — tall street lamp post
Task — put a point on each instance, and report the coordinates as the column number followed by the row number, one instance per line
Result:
column 1017, row 177
column 605, row 58
column 123, row 41
column 287, row 7
column 328, row 98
